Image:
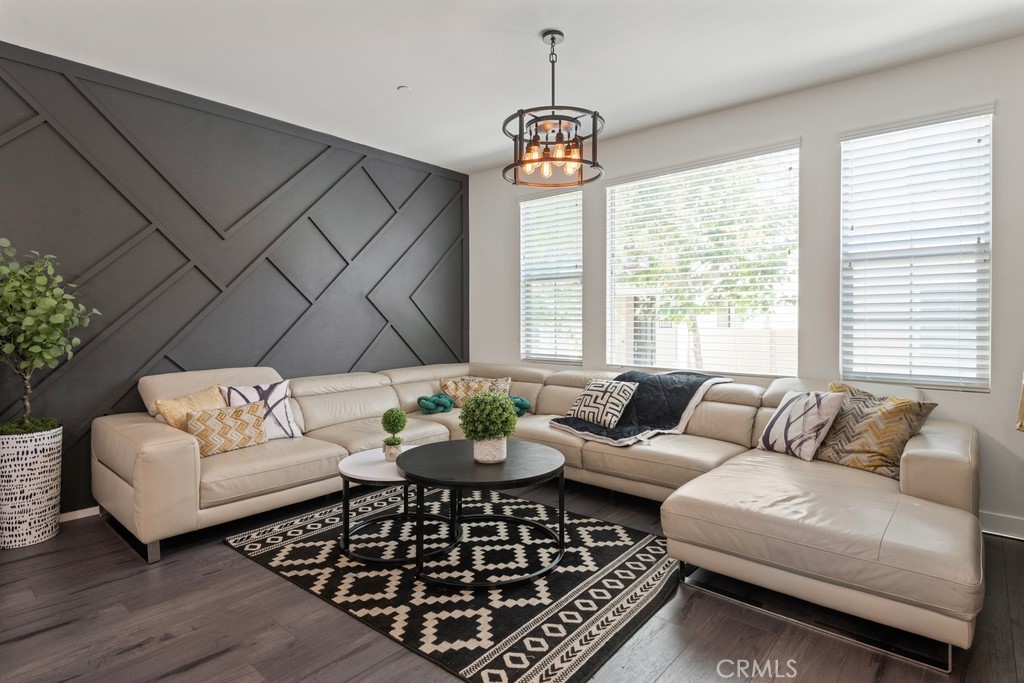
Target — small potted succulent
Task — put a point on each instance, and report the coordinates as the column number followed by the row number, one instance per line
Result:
column 38, row 313
column 488, row 419
column 393, row 421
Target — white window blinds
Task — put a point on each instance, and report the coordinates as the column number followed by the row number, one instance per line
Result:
column 916, row 246
column 702, row 267
column 551, row 278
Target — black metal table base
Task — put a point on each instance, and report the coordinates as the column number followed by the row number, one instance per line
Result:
column 454, row 530
column 459, row 518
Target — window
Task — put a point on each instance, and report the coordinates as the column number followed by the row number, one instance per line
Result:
column 702, row 267
column 551, row 278
column 916, row 244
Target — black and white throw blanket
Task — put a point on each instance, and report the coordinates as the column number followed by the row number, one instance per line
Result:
column 662, row 404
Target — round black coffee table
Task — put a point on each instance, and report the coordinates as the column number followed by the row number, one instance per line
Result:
column 450, row 465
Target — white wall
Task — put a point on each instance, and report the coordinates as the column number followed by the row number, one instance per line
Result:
column 981, row 76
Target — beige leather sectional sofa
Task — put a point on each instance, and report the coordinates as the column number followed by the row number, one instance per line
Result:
column 906, row 553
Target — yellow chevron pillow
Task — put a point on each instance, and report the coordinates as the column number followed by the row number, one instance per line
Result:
column 227, row 429
column 870, row 432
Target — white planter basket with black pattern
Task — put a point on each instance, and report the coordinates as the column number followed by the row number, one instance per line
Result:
column 29, row 487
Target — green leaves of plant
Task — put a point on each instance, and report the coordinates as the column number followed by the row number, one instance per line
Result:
column 38, row 311
column 488, row 416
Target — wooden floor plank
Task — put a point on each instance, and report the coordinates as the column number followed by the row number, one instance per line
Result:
column 647, row 654
column 85, row 606
column 724, row 642
column 1013, row 556
column 325, row 643
column 991, row 659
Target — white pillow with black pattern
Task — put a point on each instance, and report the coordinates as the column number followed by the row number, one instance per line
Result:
column 603, row 401
column 801, row 422
column 278, row 421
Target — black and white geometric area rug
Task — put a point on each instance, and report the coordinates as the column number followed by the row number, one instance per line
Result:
column 558, row 628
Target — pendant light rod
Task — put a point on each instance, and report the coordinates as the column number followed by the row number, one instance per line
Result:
column 553, row 58
column 553, row 36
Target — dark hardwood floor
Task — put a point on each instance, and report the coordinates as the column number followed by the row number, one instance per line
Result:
column 86, row 607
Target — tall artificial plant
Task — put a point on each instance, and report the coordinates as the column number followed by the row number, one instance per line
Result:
column 38, row 313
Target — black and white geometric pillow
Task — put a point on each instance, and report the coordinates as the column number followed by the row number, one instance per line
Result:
column 603, row 401
column 801, row 422
column 278, row 422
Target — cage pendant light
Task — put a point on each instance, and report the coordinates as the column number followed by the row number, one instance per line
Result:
column 553, row 145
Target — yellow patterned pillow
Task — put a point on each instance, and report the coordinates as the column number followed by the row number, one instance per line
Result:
column 461, row 388
column 227, row 429
column 175, row 410
column 870, row 432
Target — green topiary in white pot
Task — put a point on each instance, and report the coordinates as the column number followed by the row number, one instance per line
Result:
column 393, row 422
column 39, row 311
column 488, row 419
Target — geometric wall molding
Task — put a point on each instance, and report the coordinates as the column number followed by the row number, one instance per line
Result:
column 210, row 237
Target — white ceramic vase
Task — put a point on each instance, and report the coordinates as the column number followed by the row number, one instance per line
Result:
column 29, row 487
column 391, row 453
column 490, row 451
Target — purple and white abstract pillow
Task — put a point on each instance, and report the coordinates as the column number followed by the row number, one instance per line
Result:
column 801, row 422
column 278, row 421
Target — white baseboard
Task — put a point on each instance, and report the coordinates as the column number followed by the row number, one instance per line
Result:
column 1002, row 525
column 79, row 514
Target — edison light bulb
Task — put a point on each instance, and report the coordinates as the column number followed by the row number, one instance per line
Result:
column 559, row 153
column 532, row 152
column 570, row 167
column 545, row 166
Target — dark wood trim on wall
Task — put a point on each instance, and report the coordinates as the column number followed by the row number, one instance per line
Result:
column 209, row 236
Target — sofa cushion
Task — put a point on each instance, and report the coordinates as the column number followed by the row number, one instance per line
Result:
column 271, row 466
column 526, row 381
column 173, row 384
column 668, row 460
column 324, row 410
column 869, row 433
column 461, row 389
column 421, row 380
column 602, row 401
column 537, row 428
column 450, row 420
column 174, row 411
column 781, row 386
column 835, row 524
column 800, row 423
column 219, row 430
column 364, row 434
column 277, row 419
column 561, row 389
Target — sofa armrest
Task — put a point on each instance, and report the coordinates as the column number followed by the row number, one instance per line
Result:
column 940, row 464
column 159, row 468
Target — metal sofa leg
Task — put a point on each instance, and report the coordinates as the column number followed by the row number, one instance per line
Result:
column 152, row 550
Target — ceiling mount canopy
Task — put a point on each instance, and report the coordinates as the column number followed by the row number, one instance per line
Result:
column 553, row 145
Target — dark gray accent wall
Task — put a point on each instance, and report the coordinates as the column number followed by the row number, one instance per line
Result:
column 213, row 237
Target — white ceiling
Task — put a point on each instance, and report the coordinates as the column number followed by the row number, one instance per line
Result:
column 334, row 65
